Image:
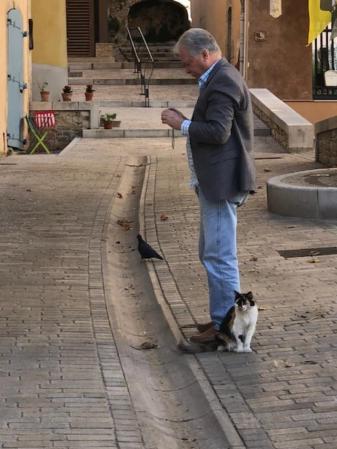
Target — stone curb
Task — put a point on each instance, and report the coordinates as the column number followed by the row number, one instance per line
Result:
column 220, row 413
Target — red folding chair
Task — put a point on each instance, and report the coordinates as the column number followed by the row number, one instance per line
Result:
column 39, row 123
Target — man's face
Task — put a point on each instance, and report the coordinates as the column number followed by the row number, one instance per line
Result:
column 194, row 65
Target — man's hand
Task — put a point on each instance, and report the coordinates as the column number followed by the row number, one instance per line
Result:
column 173, row 118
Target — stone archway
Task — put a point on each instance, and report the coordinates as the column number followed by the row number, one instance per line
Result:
column 159, row 20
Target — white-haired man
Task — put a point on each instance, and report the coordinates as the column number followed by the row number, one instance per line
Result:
column 219, row 148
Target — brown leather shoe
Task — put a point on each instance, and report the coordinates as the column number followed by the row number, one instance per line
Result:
column 202, row 327
column 205, row 337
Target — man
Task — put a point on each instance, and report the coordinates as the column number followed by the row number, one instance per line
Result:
column 219, row 149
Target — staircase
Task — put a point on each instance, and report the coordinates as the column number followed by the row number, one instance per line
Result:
column 117, row 89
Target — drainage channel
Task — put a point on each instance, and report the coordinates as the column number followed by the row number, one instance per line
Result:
column 171, row 408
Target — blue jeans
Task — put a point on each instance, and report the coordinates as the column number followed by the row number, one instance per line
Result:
column 218, row 254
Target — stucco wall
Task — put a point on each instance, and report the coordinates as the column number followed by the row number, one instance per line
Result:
column 213, row 17
column 50, row 46
column 24, row 7
column 278, row 56
column 315, row 111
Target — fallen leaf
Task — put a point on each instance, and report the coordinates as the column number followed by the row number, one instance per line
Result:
column 313, row 261
column 125, row 224
column 145, row 345
column 163, row 217
column 119, row 195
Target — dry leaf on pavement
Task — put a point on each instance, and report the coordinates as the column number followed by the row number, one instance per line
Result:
column 125, row 224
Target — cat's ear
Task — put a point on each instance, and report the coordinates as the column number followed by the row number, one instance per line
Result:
column 237, row 295
column 249, row 295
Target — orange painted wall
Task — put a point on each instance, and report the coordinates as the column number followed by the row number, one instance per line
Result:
column 314, row 111
column 282, row 61
column 212, row 15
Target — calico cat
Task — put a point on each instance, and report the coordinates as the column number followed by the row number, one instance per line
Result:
column 238, row 326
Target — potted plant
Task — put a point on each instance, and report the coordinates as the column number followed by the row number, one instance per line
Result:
column 43, row 92
column 66, row 93
column 109, row 121
column 89, row 92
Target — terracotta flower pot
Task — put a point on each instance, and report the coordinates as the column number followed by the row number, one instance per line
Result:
column 107, row 125
column 44, row 95
column 66, row 96
column 111, row 124
column 88, row 96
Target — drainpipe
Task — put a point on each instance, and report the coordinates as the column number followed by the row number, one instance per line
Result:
column 243, row 38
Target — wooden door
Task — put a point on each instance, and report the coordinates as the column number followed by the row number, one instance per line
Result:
column 80, row 28
column 15, row 83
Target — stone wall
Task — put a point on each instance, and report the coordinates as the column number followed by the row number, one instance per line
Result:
column 277, row 132
column 326, row 142
column 70, row 117
column 118, row 17
column 118, row 11
column 160, row 21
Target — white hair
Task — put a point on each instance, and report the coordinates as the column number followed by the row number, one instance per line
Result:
column 195, row 40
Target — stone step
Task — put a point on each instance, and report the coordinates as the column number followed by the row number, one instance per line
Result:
column 78, row 67
column 128, row 57
column 122, row 81
column 101, row 133
column 162, row 104
column 131, row 94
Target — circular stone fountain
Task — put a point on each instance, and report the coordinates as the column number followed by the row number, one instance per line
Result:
column 309, row 194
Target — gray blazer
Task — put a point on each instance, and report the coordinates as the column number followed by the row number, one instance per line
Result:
column 221, row 135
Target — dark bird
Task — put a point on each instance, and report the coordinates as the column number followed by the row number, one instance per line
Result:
column 145, row 250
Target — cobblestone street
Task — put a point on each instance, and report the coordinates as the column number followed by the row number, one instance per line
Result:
column 63, row 383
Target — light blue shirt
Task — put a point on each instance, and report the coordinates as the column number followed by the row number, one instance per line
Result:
column 184, row 130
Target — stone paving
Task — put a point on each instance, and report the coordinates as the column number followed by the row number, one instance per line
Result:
column 62, row 382
column 62, row 385
column 284, row 394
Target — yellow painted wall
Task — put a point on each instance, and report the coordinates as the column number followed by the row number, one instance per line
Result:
column 24, row 7
column 50, row 36
column 212, row 15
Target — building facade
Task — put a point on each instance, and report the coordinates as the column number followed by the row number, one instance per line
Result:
column 49, row 55
column 93, row 22
column 222, row 19
column 273, row 51
column 15, row 76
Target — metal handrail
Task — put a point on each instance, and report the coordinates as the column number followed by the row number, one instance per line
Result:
column 145, row 44
column 141, row 65
column 137, row 61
